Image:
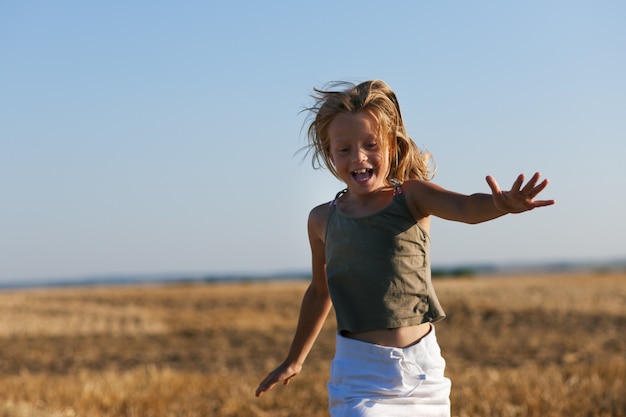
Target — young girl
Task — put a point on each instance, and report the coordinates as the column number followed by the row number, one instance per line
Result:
column 370, row 255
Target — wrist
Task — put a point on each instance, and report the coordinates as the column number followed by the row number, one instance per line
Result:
column 293, row 365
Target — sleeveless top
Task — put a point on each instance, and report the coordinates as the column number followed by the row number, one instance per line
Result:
column 378, row 269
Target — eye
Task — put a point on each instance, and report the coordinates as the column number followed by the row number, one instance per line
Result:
column 372, row 145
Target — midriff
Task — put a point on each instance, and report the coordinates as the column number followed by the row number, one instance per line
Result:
column 397, row 337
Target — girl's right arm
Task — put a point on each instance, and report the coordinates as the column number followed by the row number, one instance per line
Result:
column 315, row 307
column 429, row 198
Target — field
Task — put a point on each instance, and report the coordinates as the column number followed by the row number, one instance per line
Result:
column 552, row 345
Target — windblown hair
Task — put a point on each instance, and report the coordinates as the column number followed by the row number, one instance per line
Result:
column 407, row 161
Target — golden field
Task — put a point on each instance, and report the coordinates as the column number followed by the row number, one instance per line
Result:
column 552, row 345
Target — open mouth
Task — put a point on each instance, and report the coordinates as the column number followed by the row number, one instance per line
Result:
column 362, row 175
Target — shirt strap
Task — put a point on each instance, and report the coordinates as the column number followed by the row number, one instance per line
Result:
column 397, row 187
column 338, row 196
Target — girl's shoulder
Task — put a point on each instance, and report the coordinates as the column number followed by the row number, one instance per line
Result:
column 318, row 217
column 420, row 188
column 416, row 193
column 415, row 184
column 412, row 189
column 320, row 211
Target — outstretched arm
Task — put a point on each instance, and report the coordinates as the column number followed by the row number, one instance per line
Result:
column 430, row 199
column 315, row 307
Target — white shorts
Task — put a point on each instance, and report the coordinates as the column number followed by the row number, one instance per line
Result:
column 371, row 380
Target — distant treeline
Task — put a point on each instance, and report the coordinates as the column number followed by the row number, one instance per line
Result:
column 457, row 271
column 454, row 272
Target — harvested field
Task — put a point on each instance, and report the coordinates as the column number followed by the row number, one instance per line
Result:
column 552, row 345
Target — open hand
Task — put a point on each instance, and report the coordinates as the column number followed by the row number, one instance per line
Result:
column 519, row 198
column 283, row 374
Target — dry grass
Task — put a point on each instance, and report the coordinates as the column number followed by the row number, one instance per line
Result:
column 516, row 346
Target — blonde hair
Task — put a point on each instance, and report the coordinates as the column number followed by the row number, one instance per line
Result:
column 407, row 161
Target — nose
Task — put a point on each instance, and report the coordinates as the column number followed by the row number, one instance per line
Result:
column 359, row 156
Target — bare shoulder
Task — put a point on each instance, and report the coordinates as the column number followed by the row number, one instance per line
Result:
column 416, row 193
column 417, row 186
column 318, row 217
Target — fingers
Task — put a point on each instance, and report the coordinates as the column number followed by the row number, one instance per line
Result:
column 518, row 183
column 264, row 386
column 272, row 379
column 495, row 188
column 531, row 189
column 530, row 185
column 267, row 384
column 543, row 203
column 521, row 197
column 539, row 188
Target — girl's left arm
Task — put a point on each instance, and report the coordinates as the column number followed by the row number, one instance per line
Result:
column 430, row 199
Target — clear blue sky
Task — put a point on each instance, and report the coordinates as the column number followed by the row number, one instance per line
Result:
column 153, row 136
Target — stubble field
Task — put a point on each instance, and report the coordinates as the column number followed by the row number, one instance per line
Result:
column 551, row 345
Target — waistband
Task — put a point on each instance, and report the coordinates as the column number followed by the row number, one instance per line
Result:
column 358, row 348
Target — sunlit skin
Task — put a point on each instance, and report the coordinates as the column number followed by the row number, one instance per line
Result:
column 357, row 153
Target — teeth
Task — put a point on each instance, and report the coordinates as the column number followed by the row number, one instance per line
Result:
column 360, row 171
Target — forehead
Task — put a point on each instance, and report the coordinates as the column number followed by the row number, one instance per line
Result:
column 346, row 126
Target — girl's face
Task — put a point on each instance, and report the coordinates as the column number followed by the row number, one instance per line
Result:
column 358, row 153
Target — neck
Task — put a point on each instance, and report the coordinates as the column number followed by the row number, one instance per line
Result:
column 367, row 203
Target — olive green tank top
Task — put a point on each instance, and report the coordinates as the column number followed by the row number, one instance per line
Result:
column 378, row 269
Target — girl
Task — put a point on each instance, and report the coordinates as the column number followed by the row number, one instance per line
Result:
column 370, row 256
